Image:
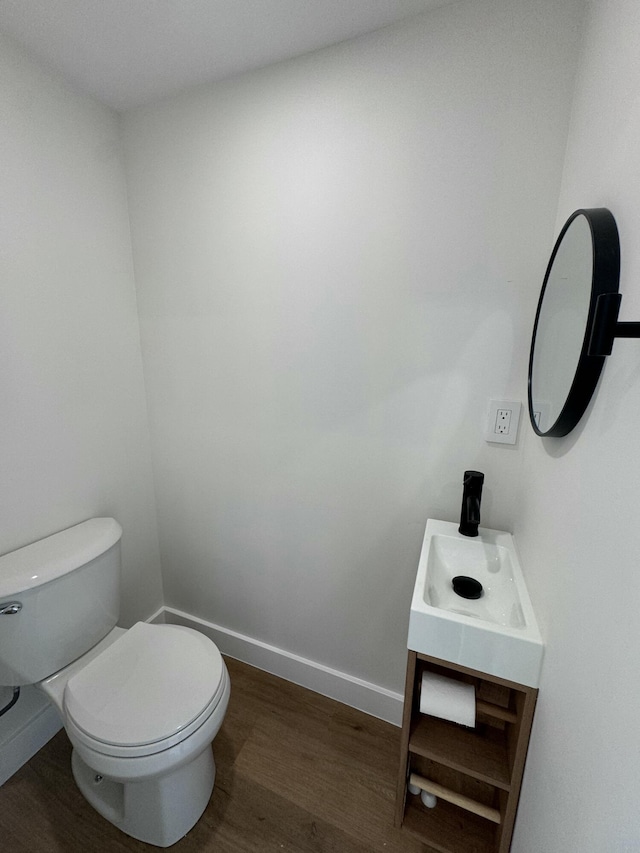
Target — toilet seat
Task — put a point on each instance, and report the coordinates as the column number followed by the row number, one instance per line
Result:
column 149, row 690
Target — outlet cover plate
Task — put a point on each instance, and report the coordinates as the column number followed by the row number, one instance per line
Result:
column 503, row 417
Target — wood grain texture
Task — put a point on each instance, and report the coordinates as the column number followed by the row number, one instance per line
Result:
column 455, row 798
column 296, row 773
column 483, row 756
column 449, row 830
column 519, row 736
column 401, row 791
column 475, row 773
column 490, row 710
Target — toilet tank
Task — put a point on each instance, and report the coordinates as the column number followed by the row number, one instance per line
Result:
column 58, row 598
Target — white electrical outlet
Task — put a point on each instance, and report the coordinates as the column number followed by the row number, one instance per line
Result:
column 502, row 425
column 502, row 421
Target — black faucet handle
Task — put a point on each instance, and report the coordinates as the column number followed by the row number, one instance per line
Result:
column 471, row 497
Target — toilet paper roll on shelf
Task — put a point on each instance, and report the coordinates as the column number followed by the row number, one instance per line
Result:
column 448, row 699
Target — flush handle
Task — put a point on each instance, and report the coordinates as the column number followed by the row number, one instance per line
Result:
column 10, row 608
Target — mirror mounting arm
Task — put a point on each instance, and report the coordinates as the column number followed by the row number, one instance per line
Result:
column 606, row 327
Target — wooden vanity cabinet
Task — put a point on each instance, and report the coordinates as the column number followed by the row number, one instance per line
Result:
column 475, row 774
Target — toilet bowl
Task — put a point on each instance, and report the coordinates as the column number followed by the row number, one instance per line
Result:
column 141, row 712
column 141, row 706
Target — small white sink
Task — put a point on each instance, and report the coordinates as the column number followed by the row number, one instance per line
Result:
column 496, row 633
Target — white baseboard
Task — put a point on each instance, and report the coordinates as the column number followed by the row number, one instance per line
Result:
column 25, row 729
column 33, row 720
column 157, row 618
column 363, row 695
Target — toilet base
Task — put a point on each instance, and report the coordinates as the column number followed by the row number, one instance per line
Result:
column 159, row 811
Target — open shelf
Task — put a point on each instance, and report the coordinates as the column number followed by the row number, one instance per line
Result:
column 495, row 712
column 468, row 750
column 475, row 773
column 449, row 829
column 455, row 797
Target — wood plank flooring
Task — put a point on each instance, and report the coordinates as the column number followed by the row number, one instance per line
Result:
column 296, row 773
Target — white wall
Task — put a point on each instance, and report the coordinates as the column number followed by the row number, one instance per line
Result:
column 577, row 520
column 73, row 431
column 336, row 261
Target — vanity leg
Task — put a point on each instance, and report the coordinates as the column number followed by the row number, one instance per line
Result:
column 401, row 792
column 519, row 735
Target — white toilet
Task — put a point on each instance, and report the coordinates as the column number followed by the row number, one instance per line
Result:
column 140, row 706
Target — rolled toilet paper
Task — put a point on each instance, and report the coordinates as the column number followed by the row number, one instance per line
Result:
column 448, row 699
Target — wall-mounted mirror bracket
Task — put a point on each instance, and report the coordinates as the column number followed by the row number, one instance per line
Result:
column 606, row 326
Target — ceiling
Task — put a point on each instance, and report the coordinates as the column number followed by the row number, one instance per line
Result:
column 130, row 52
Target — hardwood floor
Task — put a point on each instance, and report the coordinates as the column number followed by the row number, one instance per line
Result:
column 296, row 773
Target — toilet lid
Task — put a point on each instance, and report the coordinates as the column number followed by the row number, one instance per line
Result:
column 147, row 686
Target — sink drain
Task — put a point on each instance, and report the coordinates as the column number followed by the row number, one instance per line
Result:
column 466, row 587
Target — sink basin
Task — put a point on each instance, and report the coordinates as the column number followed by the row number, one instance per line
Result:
column 496, row 633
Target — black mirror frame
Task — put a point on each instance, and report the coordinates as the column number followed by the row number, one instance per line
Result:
column 601, row 323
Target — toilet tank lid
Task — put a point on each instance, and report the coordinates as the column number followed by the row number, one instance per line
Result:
column 56, row 555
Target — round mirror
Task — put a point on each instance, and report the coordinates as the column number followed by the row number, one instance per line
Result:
column 584, row 264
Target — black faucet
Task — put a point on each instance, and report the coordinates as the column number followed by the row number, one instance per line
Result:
column 471, row 495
